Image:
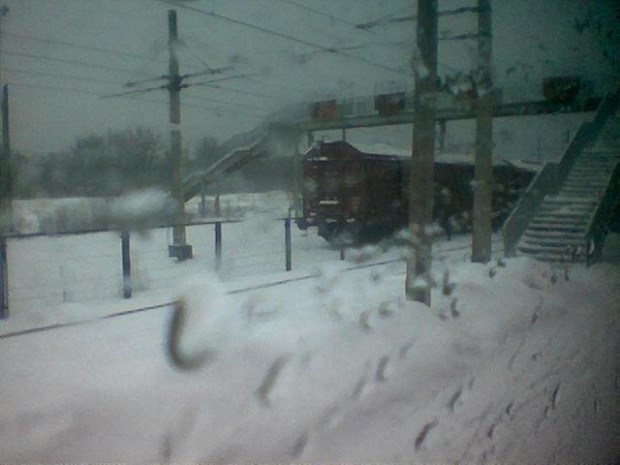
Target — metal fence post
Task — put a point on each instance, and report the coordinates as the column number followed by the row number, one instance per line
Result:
column 126, row 264
column 203, row 201
column 287, row 243
column 4, row 281
column 218, row 246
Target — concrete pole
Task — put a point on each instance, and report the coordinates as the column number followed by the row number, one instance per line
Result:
column 174, row 90
column 483, row 186
column 7, row 179
column 418, row 281
column 6, row 205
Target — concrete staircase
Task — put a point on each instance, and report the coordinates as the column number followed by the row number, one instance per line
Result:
column 570, row 224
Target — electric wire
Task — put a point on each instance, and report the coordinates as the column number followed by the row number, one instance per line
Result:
column 283, row 36
column 61, row 76
column 132, row 97
column 110, row 82
column 326, row 15
column 71, row 62
column 149, row 59
column 78, row 46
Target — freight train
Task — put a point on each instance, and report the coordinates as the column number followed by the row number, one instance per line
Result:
column 364, row 196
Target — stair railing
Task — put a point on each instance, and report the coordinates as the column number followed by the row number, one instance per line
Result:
column 588, row 133
column 599, row 221
column 552, row 176
column 517, row 222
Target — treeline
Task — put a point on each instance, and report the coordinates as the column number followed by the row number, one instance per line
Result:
column 112, row 164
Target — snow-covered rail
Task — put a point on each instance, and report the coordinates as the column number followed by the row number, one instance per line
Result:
column 440, row 251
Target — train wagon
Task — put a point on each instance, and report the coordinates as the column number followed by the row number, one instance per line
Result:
column 363, row 197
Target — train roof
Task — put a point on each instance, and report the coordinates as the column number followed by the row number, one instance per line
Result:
column 396, row 153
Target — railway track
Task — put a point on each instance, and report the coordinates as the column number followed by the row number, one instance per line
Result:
column 124, row 313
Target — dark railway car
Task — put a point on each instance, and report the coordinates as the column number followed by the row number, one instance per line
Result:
column 364, row 197
column 348, row 189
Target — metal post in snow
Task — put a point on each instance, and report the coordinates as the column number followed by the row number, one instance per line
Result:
column 218, row 246
column 4, row 281
column 203, row 201
column 287, row 243
column 125, row 246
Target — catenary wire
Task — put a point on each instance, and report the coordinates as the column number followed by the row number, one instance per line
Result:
column 282, row 36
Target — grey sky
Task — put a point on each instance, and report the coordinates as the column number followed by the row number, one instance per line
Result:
column 532, row 39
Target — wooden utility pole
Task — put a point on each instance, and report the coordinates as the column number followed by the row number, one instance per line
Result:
column 418, row 281
column 179, row 249
column 482, row 227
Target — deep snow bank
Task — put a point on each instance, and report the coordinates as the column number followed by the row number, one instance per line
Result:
column 338, row 368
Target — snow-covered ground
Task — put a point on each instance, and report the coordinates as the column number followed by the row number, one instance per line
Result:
column 515, row 362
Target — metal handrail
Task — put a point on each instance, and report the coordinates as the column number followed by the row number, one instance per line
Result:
column 518, row 220
column 553, row 175
column 597, row 224
column 117, row 229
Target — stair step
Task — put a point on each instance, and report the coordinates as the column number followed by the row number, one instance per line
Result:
column 553, row 216
column 556, row 228
column 597, row 181
column 581, row 191
column 554, row 210
column 589, row 169
column 606, row 146
column 570, row 200
column 568, row 226
column 592, row 162
column 551, row 234
column 550, row 251
column 594, row 188
column 553, row 258
column 588, row 192
column 554, row 244
column 591, row 156
column 563, row 213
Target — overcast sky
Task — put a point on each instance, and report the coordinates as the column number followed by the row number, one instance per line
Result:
column 57, row 69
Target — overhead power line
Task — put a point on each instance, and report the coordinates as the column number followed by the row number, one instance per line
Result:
column 61, row 76
column 78, row 46
column 282, row 35
column 131, row 97
column 235, row 90
column 99, row 49
column 71, row 62
column 326, row 15
column 356, row 47
column 58, row 89
column 408, row 18
column 131, row 92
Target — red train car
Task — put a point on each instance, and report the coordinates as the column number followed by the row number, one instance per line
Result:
column 364, row 197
